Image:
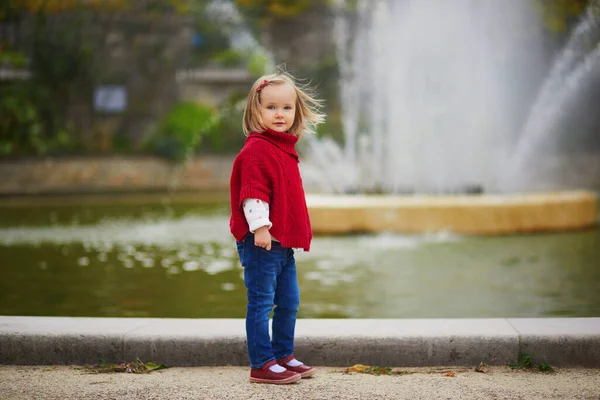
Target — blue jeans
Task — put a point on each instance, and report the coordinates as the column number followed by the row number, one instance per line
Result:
column 271, row 280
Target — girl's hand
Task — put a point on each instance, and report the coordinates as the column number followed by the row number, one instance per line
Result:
column 262, row 238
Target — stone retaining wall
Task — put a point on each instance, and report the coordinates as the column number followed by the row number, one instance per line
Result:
column 129, row 174
column 113, row 174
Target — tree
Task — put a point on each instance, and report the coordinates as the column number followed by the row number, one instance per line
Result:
column 57, row 42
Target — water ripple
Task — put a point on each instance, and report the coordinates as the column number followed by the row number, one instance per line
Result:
column 161, row 233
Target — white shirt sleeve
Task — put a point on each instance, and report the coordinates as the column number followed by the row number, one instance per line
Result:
column 257, row 214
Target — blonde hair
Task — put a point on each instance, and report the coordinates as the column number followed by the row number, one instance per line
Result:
column 308, row 114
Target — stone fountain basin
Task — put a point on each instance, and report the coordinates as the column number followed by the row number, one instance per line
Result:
column 492, row 214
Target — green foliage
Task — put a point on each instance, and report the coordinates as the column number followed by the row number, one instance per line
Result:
column 259, row 14
column 12, row 58
column 276, row 8
column 212, row 43
column 325, row 75
column 257, row 64
column 33, row 112
column 27, row 122
column 227, row 137
column 229, row 58
column 60, row 55
column 178, row 134
column 211, row 35
column 122, row 143
column 525, row 362
column 545, row 367
column 351, row 5
column 57, row 6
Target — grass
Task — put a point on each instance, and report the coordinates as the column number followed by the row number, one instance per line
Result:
column 525, row 362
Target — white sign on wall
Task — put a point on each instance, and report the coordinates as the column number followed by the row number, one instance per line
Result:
column 110, row 99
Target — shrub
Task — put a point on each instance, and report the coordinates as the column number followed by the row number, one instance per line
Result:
column 179, row 133
column 227, row 137
column 29, row 122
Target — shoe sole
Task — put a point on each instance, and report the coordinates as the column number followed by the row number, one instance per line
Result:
column 285, row 381
column 308, row 373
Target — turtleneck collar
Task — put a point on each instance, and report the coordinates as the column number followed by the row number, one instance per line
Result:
column 283, row 140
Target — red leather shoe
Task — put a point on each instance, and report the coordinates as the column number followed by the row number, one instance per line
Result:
column 265, row 375
column 304, row 370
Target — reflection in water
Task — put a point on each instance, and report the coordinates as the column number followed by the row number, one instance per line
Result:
column 181, row 262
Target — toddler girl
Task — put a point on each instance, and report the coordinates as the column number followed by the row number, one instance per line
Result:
column 269, row 221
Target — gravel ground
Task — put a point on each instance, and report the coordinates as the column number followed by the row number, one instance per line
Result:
column 65, row 382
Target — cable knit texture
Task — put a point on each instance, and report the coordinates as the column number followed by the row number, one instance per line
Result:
column 267, row 169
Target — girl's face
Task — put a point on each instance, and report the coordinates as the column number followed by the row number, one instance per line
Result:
column 278, row 107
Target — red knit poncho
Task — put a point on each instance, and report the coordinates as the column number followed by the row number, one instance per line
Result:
column 267, row 169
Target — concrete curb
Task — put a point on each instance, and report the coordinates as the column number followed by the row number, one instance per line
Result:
column 325, row 342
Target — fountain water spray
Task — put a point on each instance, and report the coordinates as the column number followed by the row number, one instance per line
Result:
column 435, row 95
column 569, row 74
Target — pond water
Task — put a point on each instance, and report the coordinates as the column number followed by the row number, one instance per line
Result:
column 165, row 257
